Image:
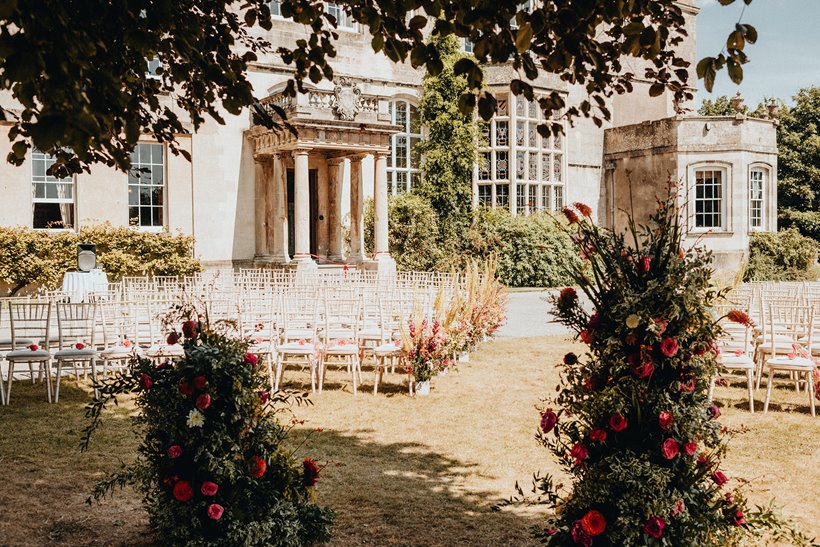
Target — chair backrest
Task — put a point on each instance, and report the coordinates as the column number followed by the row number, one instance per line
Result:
column 790, row 326
column 734, row 337
column 75, row 323
column 32, row 321
column 342, row 318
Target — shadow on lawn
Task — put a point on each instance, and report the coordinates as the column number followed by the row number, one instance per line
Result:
column 406, row 494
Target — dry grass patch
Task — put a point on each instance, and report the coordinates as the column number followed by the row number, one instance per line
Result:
column 401, row 471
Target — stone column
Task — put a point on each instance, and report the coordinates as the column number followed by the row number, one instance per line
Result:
column 261, row 190
column 356, row 210
column 380, row 246
column 301, row 206
column 334, row 213
column 279, row 203
column 322, row 212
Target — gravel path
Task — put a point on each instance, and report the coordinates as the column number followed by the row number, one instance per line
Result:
column 528, row 315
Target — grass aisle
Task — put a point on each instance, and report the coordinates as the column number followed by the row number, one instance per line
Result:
column 403, row 472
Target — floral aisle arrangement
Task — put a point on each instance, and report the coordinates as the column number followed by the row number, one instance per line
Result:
column 212, row 466
column 426, row 348
column 635, row 429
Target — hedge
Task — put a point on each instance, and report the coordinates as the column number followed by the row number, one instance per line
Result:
column 782, row 256
column 37, row 257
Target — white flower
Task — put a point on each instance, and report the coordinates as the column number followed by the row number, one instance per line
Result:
column 633, row 321
column 196, row 419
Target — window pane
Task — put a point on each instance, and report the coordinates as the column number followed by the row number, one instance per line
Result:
column 274, row 7
column 533, row 135
column 145, row 216
column 556, row 168
column 520, row 133
column 502, row 136
column 520, row 165
column 145, row 195
column 502, row 195
column 533, row 166
column 501, row 166
column 157, row 216
column 415, row 120
column 144, row 151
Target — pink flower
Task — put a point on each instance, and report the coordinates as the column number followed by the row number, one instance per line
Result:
column 661, row 325
column 598, row 435
column 738, row 518
column 548, row 420
column 252, row 359
column 174, row 451
column 579, row 453
column 670, row 449
column 690, row 448
column 183, row 491
column 215, row 511
column 302, row 341
column 665, row 420
column 678, row 508
column 126, row 343
column 617, row 422
column 145, row 382
column 714, row 412
column 669, row 346
column 263, row 396
column 209, row 488
column 719, row 478
column 654, row 527
column 644, row 370
column 579, row 535
column 203, row 401
column 583, row 208
column 645, row 264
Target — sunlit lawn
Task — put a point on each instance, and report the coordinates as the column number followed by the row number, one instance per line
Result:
column 400, row 471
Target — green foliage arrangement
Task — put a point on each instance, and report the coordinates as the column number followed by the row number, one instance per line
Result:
column 782, row 256
column 37, row 257
column 212, row 467
column 449, row 146
column 635, row 430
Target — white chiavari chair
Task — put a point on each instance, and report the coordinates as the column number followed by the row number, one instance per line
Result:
column 794, row 323
column 30, row 321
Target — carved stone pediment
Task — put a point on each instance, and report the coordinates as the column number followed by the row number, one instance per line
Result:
column 346, row 99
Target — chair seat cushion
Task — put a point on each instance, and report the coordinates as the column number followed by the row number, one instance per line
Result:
column 120, row 352
column 797, row 362
column 74, row 353
column 342, row 349
column 737, row 361
column 295, row 348
column 264, row 347
column 28, row 355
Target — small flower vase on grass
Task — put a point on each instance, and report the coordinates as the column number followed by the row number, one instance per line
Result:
column 635, row 430
column 212, row 466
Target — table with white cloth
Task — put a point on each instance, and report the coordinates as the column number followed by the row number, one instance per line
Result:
column 77, row 285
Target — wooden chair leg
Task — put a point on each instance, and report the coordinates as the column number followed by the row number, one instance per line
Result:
column 750, row 381
column 768, row 391
column 711, row 388
column 810, row 389
column 57, row 385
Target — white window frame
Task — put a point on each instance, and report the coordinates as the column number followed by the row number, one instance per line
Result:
column 765, row 177
column 164, row 186
column 344, row 21
column 409, row 170
column 278, row 4
column 724, row 171
column 47, row 181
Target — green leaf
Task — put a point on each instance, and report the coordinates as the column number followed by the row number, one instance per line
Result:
column 523, row 38
column 735, row 71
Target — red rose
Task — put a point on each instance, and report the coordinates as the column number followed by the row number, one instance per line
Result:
column 572, row 218
column 714, row 412
column 704, row 461
column 79, row 345
column 126, row 343
column 739, row 519
column 645, row 263
column 311, row 472
column 215, row 511
column 644, row 370
column 583, row 208
column 661, row 325
column 145, row 382
column 183, row 491
column 690, row 448
column 34, row 347
column 200, row 382
column 617, row 422
column 209, row 488
column 570, row 359
column 579, row 453
column 590, row 383
column 598, row 435
column 631, row 339
column 174, row 451
column 186, row 388
column 719, row 478
column 259, row 467
column 251, row 359
column 263, row 396
column 568, row 296
column 593, row 523
column 670, row 449
column 586, row 336
column 737, row 316
column 579, row 535
column 665, row 420
column 669, row 346
column 594, row 320
column 203, row 401
column 654, row 527
column 548, row 420
column 172, row 338
column 189, row 329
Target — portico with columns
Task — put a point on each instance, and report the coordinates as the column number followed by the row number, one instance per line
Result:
column 302, row 177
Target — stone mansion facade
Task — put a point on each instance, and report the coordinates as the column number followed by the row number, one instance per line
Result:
column 252, row 195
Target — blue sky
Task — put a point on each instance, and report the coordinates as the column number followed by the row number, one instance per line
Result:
column 785, row 58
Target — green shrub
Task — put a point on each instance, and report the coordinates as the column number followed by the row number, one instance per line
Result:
column 36, row 257
column 414, row 233
column 807, row 222
column 782, row 256
column 531, row 251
